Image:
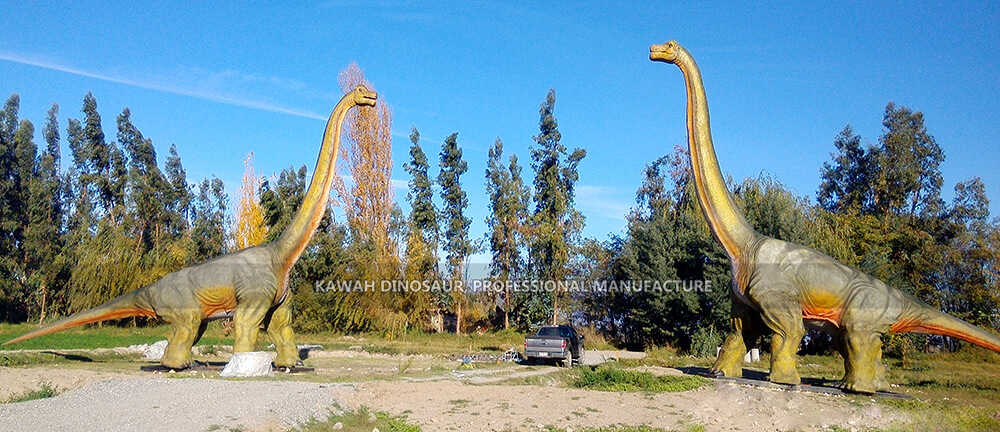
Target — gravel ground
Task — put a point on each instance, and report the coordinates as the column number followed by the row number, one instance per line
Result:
column 168, row 404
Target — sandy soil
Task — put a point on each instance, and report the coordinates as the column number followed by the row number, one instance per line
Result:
column 448, row 401
column 453, row 406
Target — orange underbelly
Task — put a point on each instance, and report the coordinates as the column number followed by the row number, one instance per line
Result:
column 217, row 300
column 822, row 305
column 831, row 315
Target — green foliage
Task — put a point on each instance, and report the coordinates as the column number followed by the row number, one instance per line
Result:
column 667, row 242
column 705, row 341
column 423, row 215
column 45, row 390
column 208, row 235
column 456, row 234
column 360, row 420
column 62, row 233
column 555, row 223
column 507, row 221
column 615, row 379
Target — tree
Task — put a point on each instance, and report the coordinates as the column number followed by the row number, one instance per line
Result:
column 179, row 197
column 208, row 236
column 556, row 224
column 846, row 181
column 148, row 189
column 368, row 156
column 972, row 262
column 506, row 220
column 422, row 231
column 43, row 242
column 456, row 224
column 249, row 229
column 423, row 215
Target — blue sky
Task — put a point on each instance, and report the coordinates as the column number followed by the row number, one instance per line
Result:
column 220, row 81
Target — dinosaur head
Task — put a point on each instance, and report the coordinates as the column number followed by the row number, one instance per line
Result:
column 666, row 53
column 363, row 96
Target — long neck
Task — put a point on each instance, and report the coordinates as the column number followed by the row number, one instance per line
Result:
column 725, row 219
column 298, row 233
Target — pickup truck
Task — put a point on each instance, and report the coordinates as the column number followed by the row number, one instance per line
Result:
column 559, row 343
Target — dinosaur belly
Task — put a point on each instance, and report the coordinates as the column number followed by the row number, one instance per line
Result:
column 823, row 306
column 217, row 301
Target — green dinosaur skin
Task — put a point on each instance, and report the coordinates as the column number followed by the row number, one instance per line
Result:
column 251, row 285
column 781, row 286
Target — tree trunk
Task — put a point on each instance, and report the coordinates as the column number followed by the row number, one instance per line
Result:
column 458, row 319
column 555, row 306
column 41, row 315
column 506, row 310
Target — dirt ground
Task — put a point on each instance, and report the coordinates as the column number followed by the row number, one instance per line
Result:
column 428, row 390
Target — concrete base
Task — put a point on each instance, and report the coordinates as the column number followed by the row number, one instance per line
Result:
column 249, row 364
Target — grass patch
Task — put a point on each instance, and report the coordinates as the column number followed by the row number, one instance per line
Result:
column 108, row 336
column 627, row 428
column 361, row 420
column 46, row 390
column 14, row 359
column 615, row 379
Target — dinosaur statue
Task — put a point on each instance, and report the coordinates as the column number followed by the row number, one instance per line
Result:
column 251, row 285
column 782, row 286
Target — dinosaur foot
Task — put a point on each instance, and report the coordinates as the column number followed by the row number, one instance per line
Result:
column 856, row 386
column 785, row 377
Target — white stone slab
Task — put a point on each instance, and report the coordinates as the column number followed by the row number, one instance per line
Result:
column 249, row 364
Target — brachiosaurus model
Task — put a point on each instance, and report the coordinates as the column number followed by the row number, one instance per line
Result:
column 785, row 285
column 251, row 285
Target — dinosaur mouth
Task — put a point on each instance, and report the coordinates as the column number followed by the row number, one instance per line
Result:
column 368, row 98
column 662, row 52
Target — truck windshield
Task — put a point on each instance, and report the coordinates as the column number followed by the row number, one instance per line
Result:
column 548, row 331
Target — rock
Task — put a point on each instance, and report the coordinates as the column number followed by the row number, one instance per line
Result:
column 338, row 426
column 154, row 352
column 249, row 364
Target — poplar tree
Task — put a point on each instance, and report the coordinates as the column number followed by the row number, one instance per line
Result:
column 43, row 242
column 423, row 215
column 456, row 224
column 422, row 236
column 506, row 219
column 556, row 224
column 208, row 236
column 147, row 186
column 249, row 229
column 179, row 198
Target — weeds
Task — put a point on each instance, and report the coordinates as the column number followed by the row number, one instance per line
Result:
column 361, row 420
column 615, row 379
column 45, row 390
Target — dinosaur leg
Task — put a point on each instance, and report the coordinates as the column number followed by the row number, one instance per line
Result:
column 865, row 373
column 279, row 329
column 201, row 332
column 246, row 323
column 784, row 316
column 744, row 329
column 183, row 332
column 881, row 382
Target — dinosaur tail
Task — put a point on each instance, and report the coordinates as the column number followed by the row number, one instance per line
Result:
column 123, row 306
column 932, row 321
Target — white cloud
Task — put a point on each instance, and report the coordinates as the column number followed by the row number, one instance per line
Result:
column 197, row 83
column 601, row 201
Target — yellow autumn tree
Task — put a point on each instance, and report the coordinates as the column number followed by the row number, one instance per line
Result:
column 250, row 229
column 367, row 157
